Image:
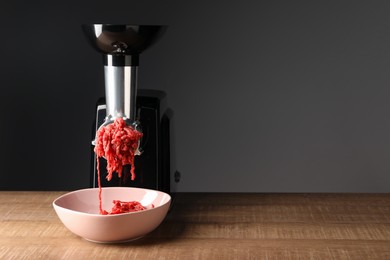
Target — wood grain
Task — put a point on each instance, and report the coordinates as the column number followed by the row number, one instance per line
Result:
column 213, row 226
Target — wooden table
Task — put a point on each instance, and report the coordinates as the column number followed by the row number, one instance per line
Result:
column 213, row 226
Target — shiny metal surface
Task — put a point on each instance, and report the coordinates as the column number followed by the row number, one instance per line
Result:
column 122, row 39
column 121, row 45
column 121, row 92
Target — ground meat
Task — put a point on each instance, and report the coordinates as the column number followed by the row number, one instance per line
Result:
column 124, row 207
column 117, row 143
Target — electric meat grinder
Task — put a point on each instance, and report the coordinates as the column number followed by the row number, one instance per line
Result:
column 121, row 46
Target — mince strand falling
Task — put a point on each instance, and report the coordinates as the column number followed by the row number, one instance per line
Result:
column 117, row 143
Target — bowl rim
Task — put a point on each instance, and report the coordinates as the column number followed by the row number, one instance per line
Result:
column 55, row 205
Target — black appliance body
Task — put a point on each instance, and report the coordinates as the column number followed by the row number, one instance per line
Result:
column 152, row 167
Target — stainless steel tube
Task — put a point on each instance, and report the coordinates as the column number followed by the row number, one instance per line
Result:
column 121, row 91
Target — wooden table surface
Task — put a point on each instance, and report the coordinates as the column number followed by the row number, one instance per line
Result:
column 213, row 226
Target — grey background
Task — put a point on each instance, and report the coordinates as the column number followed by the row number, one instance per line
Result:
column 268, row 96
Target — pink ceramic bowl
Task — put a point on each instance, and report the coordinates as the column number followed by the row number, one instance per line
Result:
column 79, row 212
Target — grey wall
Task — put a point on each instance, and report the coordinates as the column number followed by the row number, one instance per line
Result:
column 268, row 96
